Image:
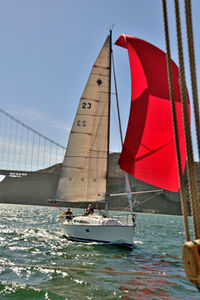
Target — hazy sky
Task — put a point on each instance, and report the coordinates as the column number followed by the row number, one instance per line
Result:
column 49, row 46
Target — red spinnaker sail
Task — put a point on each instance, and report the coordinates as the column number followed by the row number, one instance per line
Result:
column 149, row 152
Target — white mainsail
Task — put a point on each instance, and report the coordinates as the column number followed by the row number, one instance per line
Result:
column 84, row 172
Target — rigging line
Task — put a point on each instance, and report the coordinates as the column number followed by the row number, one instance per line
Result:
column 175, row 125
column 193, row 189
column 56, row 206
column 121, row 136
column 188, row 15
column 147, row 199
column 135, row 205
column 119, row 119
column 115, row 122
column 138, row 192
column 76, row 269
column 26, row 126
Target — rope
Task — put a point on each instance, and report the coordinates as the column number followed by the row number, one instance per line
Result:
column 147, row 199
column 193, row 191
column 188, row 16
column 172, row 97
column 190, row 250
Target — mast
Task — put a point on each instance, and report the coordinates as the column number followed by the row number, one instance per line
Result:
column 121, row 137
column 107, row 174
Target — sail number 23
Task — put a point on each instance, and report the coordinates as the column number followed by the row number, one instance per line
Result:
column 85, row 105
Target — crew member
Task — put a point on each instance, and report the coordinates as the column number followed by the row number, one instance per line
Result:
column 69, row 214
column 90, row 210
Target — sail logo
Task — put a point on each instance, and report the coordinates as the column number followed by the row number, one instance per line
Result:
column 99, row 81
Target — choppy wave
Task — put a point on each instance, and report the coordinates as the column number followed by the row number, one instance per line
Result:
column 30, row 236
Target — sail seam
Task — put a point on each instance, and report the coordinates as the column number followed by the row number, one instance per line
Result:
column 97, row 150
column 100, row 74
column 101, row 67
column 81, row 132
column 75, row 156
column 79, row 168
column 92, row 115
column 83, row 98
column 94, row 157
column 104, row 92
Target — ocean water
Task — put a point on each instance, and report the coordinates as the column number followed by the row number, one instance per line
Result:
column 31, row 235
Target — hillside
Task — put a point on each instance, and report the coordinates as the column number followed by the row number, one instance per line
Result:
column 35, row 188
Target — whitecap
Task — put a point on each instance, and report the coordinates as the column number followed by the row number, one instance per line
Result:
column 138, row 242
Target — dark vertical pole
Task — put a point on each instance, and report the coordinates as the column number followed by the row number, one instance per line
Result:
column 107, row 175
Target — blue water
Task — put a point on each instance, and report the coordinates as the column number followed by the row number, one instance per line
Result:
column 31, row 235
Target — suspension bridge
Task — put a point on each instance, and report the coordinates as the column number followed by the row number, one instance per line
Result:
column 30, row 163
column 23, row 148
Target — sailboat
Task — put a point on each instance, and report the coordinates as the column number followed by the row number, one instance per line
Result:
column 84, row 175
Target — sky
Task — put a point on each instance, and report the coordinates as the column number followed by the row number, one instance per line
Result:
column 48, row 48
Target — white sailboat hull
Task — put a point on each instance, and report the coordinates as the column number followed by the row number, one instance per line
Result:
column 98, row 229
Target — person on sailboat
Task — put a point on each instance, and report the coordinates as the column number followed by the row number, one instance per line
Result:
column 69, row 214
column 89, row 210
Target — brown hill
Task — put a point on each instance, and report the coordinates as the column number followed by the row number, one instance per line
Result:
column 35, row 188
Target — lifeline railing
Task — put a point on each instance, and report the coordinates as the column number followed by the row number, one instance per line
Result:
column 125, row 219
